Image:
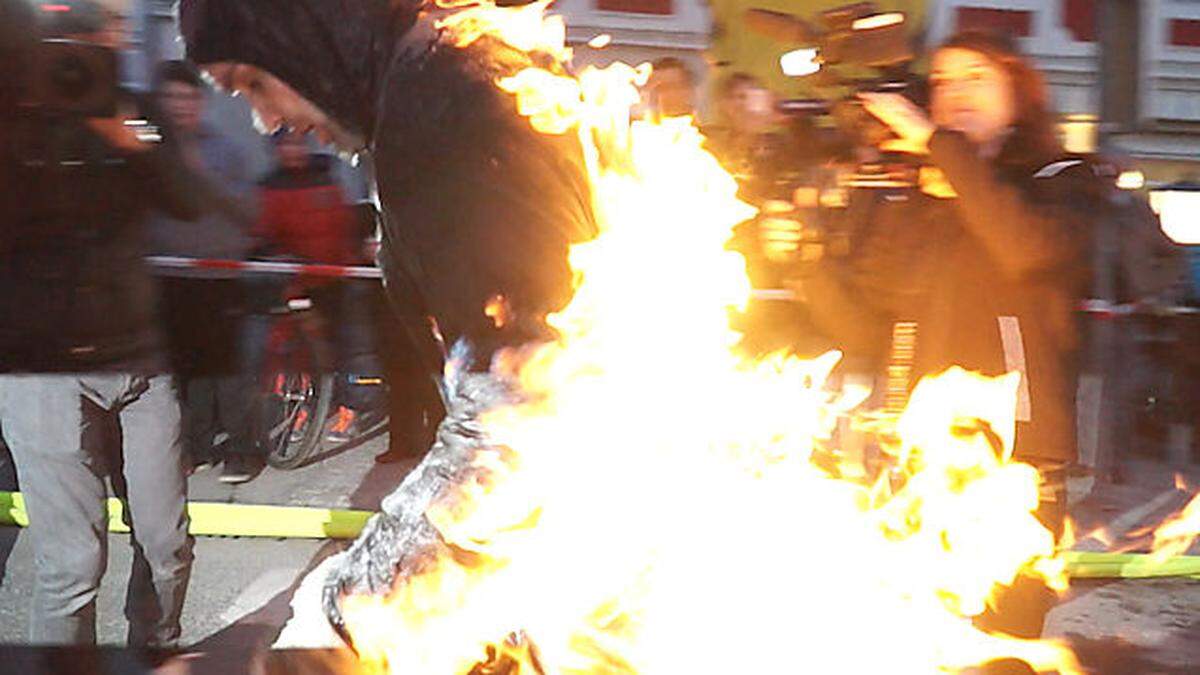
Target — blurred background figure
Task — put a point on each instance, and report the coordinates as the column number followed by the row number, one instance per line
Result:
column 305, row 217
column 671, row 90
column 204, row 312
column 748, row 137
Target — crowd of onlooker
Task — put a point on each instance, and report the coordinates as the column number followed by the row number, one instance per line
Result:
column 216, row 323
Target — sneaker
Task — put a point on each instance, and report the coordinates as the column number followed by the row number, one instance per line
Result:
column 240, row 469
column 343, row 427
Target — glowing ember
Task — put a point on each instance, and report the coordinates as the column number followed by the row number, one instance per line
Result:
column 653, row 507
column 497, row 309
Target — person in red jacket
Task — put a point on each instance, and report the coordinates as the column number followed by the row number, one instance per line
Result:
column 304, row 212
column 305, row 216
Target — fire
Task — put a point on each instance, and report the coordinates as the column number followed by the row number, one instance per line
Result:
column 1175, row 536
column 653, row 506
column 498, row 310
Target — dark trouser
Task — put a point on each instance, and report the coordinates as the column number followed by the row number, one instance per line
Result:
column 1020, row 610
column 345, row 310
column 408, row 349
column 54, row 425
column 341, row 313
column 204, row 320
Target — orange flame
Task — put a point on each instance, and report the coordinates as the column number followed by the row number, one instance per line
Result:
column 1176, row 534
column 498, row 310
column 653, row 506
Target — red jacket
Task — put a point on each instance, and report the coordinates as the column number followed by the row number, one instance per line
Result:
column 304, row 214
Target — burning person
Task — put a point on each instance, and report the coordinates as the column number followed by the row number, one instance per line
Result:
column 989, row 260
column 476, row 202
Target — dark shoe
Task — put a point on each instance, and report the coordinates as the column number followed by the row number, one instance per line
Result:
column 240, row 469
column 202, row 464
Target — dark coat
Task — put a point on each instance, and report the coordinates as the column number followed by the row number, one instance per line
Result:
column 75, row 295
column 992, row 278
column 476, row 202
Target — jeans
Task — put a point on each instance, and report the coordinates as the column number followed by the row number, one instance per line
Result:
column 54, row 425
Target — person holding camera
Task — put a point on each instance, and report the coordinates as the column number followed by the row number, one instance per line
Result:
column 989, row 258
column 82, row 358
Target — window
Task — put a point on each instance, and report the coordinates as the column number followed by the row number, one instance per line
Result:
column 659, row 7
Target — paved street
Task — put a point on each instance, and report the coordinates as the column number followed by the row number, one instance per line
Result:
column 242, row 588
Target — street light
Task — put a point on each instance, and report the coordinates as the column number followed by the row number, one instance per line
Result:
column 1178, row 208
column 800, row 62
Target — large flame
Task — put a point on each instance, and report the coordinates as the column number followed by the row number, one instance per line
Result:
column 654, row 507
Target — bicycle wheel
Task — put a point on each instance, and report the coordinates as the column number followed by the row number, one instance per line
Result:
column 294, row 402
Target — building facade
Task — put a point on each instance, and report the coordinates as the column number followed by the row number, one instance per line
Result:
column 1138, row 87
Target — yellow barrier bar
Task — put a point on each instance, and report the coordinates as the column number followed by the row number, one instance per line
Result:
column 1088, row 564
column 303, row 522
column 231, row 520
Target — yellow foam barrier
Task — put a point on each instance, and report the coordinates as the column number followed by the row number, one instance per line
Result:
column 304, row 522
column 1088, row 564
column 230, row 520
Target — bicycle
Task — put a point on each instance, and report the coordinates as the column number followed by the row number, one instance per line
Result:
column 296, row 387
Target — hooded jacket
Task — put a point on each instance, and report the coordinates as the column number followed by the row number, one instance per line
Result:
column 992, row 279
column 475, row 201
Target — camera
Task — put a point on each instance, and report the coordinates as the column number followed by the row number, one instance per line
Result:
column 50, row 74
column 69, row 77
column 849, row 50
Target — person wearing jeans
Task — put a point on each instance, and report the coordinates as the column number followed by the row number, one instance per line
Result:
column 83, row 364
column 55, row 425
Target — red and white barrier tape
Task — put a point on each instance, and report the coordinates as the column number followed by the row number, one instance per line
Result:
column 167, row 264
column 1108, row 310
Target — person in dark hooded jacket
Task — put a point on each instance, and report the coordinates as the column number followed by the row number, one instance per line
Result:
column 476, row 203
column 989, row 260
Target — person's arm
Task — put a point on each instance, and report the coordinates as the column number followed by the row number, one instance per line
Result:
column 1021, row 232
column 155, row 160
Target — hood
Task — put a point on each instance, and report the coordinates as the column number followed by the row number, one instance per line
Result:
column 335, row 53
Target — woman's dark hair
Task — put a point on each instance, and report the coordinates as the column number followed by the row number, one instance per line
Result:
column 1035, row 133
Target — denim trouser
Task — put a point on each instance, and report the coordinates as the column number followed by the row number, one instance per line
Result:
column 55, row 426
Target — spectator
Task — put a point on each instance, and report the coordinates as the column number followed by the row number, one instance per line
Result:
column 203, row 312
column 671, row 90
column 81, row 349
column 746, row 138
column 990, row 259
column 305, row 216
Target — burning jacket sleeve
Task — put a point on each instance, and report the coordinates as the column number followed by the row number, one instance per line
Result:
column 1024, row 231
